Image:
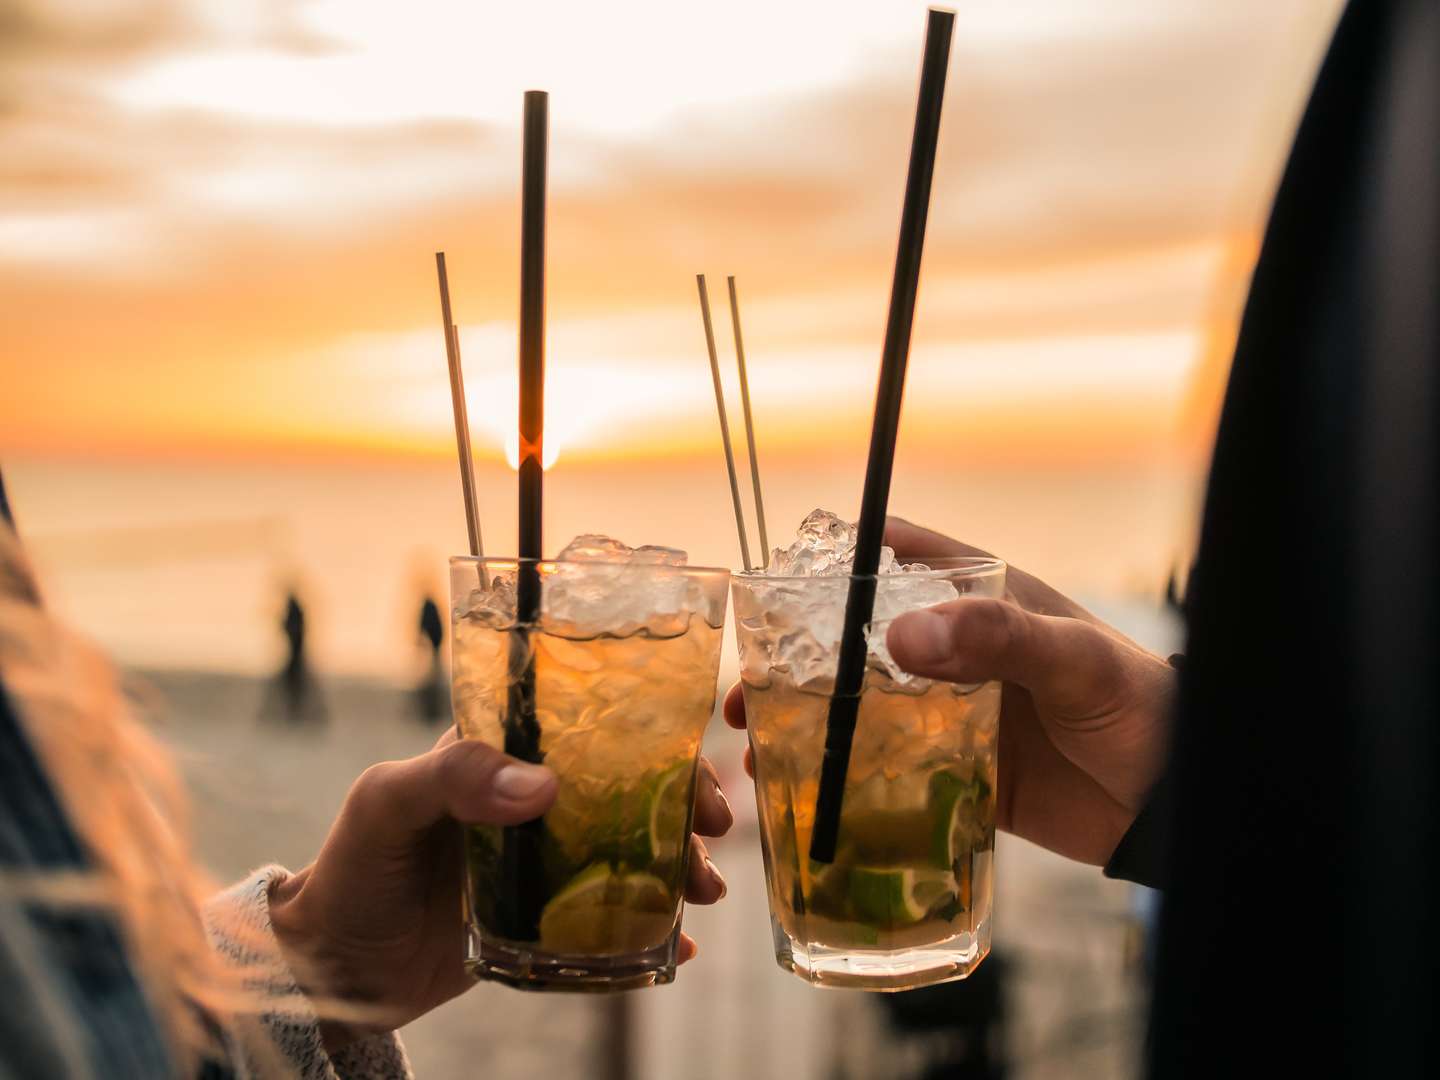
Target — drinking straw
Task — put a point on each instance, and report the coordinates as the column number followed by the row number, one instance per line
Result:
column 520, row 910
column 724, row 423
column 462, row 417
column 870, row 530
column 749, row 423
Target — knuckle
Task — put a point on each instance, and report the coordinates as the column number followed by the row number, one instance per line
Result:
column 374, row 786
column 466, row 763
column 1012, row 624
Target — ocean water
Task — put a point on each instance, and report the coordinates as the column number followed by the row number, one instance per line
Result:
column 185, row 564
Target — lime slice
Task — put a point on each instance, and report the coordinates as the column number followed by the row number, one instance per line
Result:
column 669, row 810
column 604, row 913
column 883, row 896
column 638, row 823
column 957, row 806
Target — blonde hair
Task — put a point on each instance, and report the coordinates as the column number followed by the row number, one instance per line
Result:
column 120, row 790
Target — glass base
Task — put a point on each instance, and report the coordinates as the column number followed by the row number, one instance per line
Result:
column 884, row 970
column 526, row 967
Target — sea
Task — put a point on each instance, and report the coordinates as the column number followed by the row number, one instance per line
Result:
column 181, row 564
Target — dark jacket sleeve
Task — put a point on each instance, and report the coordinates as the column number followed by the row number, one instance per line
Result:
column 1142, row 852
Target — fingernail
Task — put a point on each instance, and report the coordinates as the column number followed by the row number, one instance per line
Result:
column 725, row 804
column 921, row 637
column 519, row 781
column 715, row 877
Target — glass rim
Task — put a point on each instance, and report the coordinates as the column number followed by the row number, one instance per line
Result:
column 516, row 561
column 970, row 566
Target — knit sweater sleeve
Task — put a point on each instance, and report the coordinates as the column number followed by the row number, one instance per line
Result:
column 285, row 1038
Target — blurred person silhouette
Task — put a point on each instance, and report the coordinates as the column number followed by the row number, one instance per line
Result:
column 295, row 692
column 119, row 959
column 1281, row 781
column 430, row 701
column 432, row 692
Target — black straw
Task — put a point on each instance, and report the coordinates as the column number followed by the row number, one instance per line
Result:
column 524, row 870
column 870, row 531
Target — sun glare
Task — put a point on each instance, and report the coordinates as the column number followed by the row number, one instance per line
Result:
column 512, row 452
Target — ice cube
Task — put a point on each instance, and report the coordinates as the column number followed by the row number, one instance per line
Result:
column 799, row 628
column 902, row 591
column 493, row 607
column 592, row 547
column 602, row 586
column 824, row 546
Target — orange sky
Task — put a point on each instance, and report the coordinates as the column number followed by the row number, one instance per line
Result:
column 217, row 230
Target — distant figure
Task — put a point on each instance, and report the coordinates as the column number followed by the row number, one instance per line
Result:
column 294, row 692
column 1174, row 595
column 430, row 703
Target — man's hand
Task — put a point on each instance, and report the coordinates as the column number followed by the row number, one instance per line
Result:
column 1084, row 710
column 375, row 919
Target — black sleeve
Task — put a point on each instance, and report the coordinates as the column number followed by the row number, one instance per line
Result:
column 1141, row 854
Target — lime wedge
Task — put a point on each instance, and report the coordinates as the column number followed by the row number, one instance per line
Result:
column 883, row 896
column 956, row 806
column 638, row 824
column 602, row 913
column 827, row 890
column 669, row 810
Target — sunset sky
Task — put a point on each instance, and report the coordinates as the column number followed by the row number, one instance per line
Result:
column 218, row 220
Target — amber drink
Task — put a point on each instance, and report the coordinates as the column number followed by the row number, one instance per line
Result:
column 907, row 899
column 624, row 660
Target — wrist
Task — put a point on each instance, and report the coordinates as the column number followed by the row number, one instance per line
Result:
column 302, row 949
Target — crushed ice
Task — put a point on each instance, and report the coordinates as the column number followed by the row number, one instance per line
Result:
column 599, row 585
column 800, row 625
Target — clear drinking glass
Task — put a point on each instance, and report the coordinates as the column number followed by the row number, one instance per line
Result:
column 624, row 659
column 907, row 900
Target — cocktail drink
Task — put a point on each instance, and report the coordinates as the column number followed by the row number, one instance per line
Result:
column 906, row 901
column 624, row 660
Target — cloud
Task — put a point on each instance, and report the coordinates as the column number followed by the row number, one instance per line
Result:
column 1094, row 170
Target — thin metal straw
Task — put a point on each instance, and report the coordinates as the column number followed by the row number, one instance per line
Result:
column 724, row 423
column 462, row 416
column 749, row 423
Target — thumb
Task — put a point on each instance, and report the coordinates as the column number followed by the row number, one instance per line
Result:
column 1065, row 663
column 466, row 780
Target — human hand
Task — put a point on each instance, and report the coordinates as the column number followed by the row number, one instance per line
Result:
column 1084, row 712
column 375, row 920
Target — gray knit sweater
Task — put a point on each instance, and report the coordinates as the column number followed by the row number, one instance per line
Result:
column 288, row 1043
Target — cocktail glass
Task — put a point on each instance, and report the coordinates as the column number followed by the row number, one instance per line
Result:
column 625, row 656
column 906, row 902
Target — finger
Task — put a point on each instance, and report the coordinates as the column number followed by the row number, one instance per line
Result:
column 688, row 949
column 912, row 541
column 749, row 762
column 713, row 816
column 734, row 708
column 466, row 780
column 451, row 734
column 703, row 883
column 1066, row 663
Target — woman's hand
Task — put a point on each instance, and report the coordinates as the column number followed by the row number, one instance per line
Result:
column 1084, row 713
column 375, row 920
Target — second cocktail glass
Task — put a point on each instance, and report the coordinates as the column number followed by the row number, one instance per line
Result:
column 625, row 659
column 906, row 901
